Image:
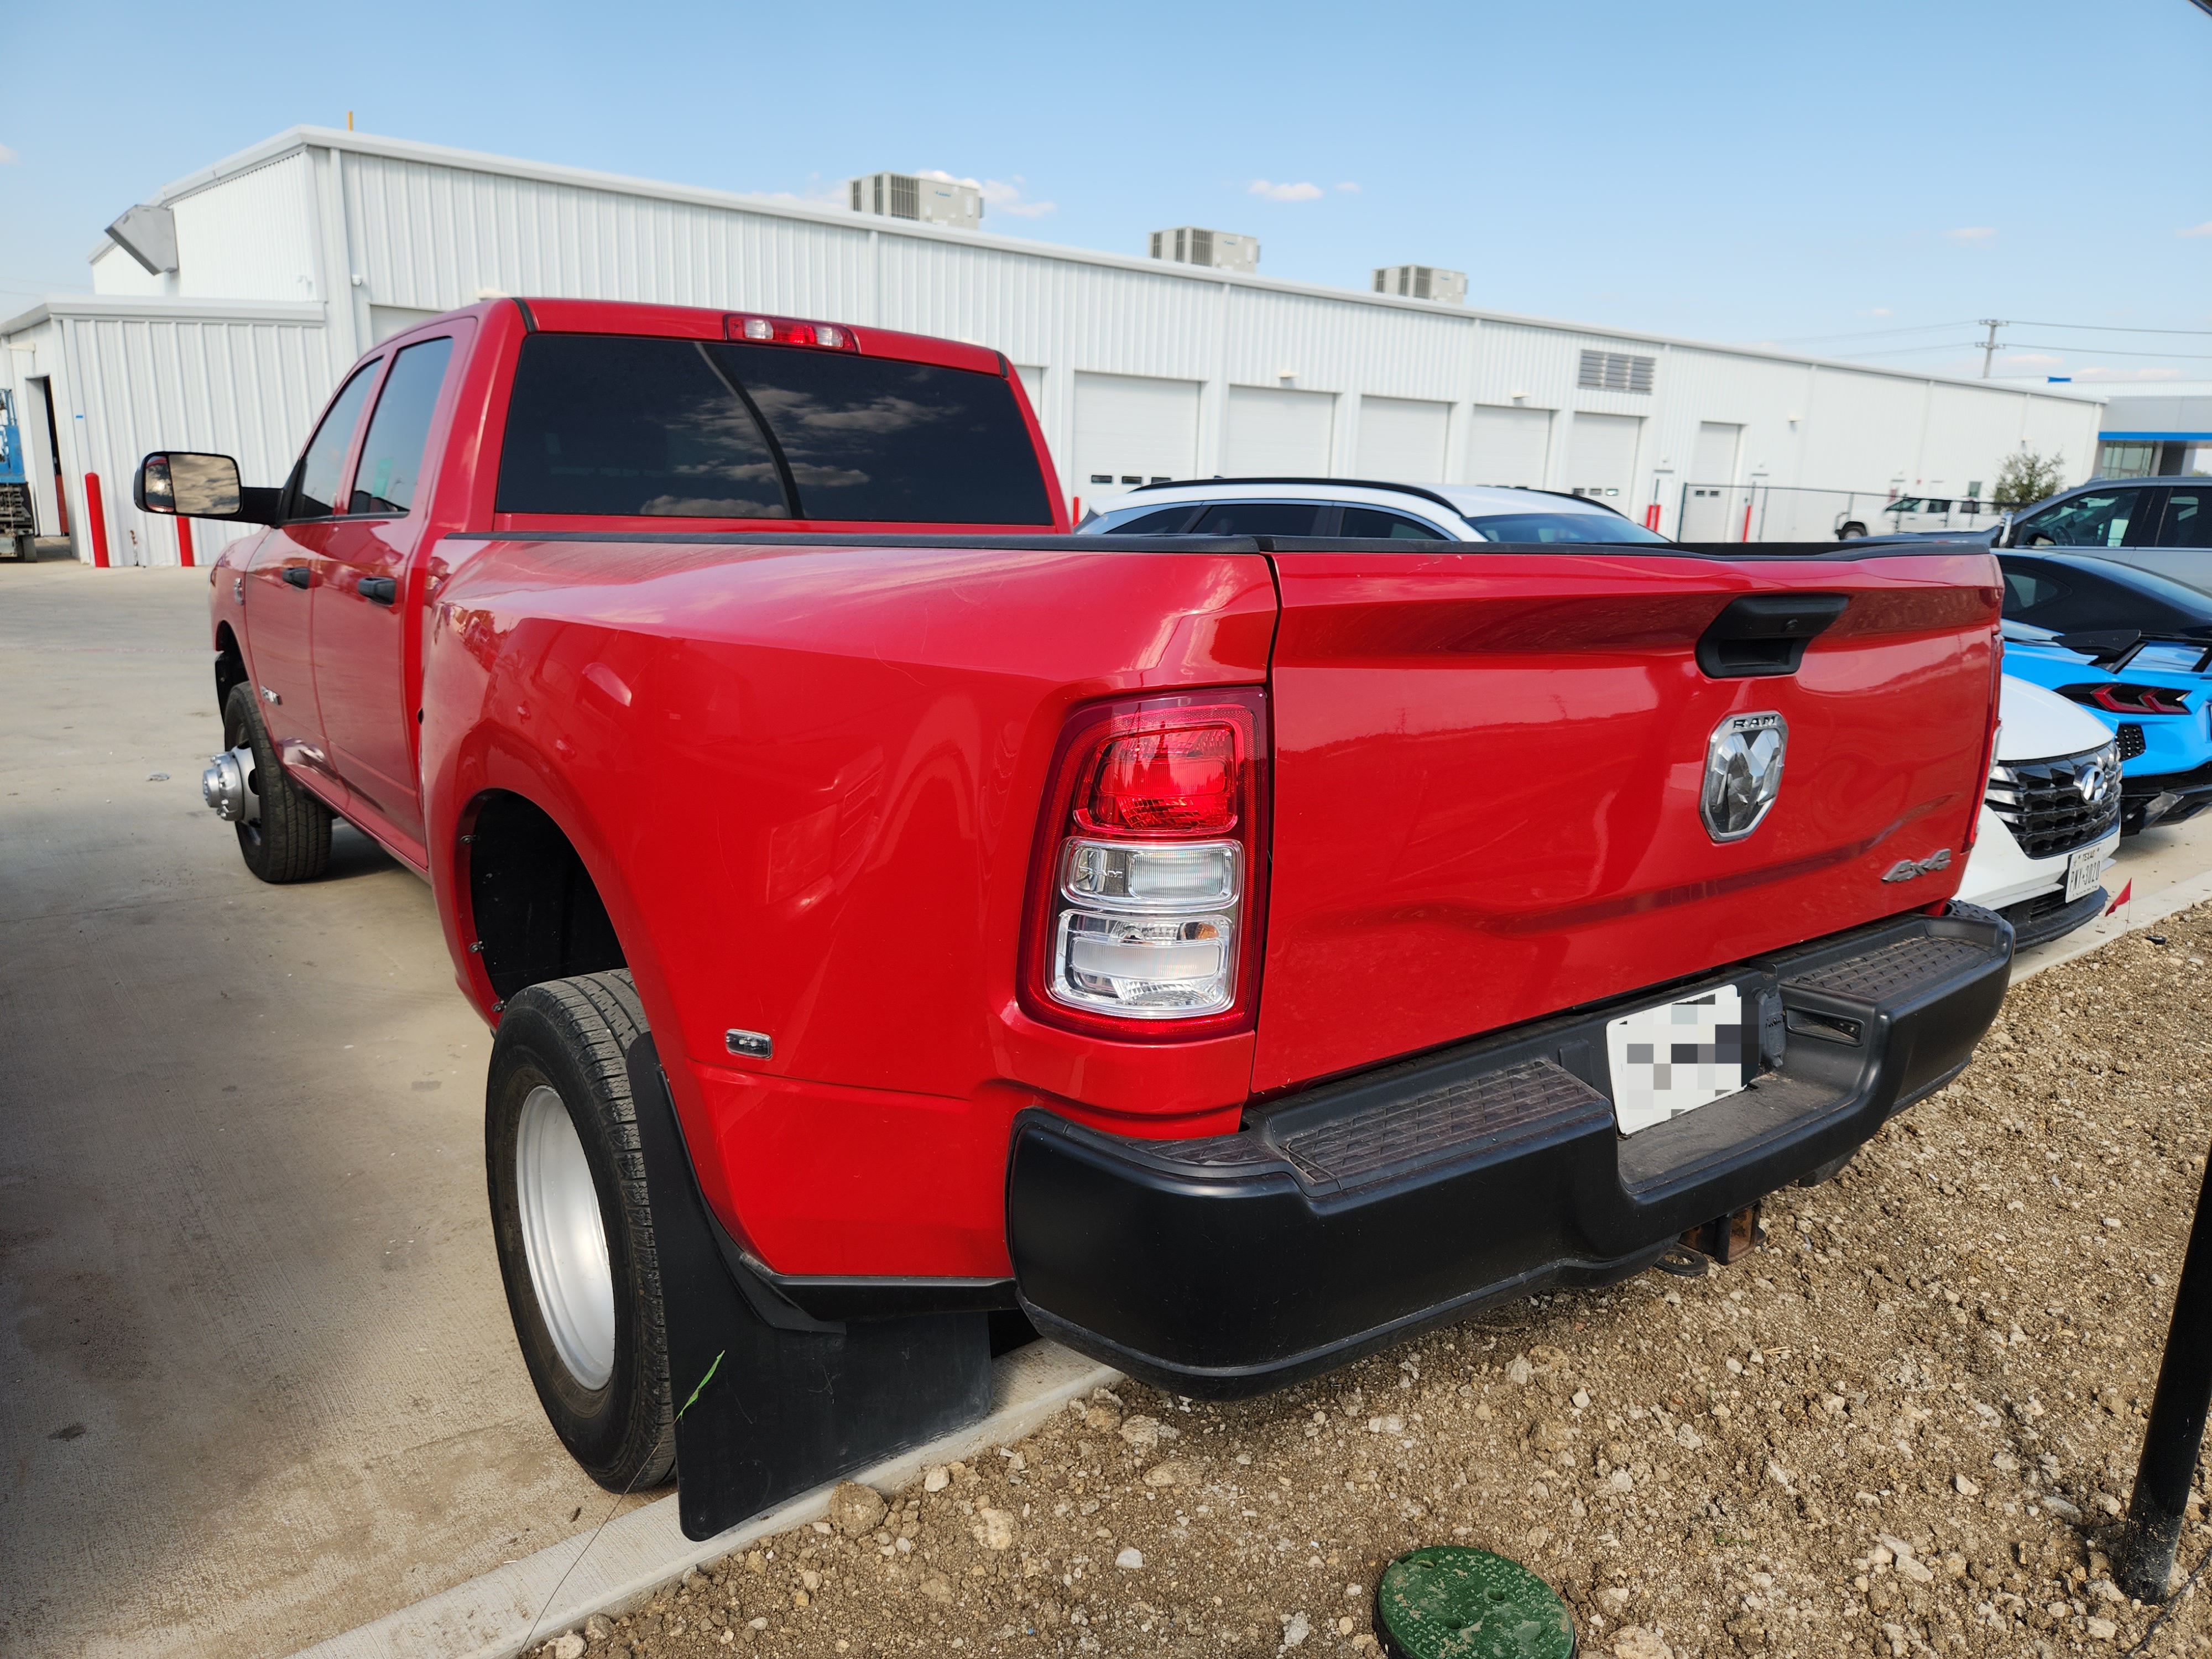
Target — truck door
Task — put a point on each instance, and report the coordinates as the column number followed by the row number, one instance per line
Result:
column 364, row 680
column 278, row 587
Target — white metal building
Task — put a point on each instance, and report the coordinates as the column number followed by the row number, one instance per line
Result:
column 295, row 255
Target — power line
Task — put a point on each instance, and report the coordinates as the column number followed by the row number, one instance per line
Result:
column 2111, row 328
column 2107, row 351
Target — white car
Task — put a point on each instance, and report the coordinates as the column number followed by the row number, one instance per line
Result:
column 2050, row 819
column 1350, row 507
column 1919, row 515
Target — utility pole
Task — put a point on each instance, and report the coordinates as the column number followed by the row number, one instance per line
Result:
column 1989, row 345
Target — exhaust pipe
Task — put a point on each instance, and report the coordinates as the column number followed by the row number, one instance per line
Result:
column 227, row 784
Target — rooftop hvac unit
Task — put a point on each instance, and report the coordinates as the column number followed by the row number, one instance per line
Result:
column 1422, row 282
column 914, row 196
column 1186, row 245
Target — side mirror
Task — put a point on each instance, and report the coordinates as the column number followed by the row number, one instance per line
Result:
column 189, row 486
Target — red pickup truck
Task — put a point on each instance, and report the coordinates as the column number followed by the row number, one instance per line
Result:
column 900, row 915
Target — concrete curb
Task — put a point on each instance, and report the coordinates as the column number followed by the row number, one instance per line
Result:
column 491, row 1617
column 2141, row 912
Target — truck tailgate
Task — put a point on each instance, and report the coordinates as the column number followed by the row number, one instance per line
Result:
column 1488, row 769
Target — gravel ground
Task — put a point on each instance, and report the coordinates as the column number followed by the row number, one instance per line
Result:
column 1905, row 1426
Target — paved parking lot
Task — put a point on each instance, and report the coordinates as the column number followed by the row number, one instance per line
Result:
column 257, row 1381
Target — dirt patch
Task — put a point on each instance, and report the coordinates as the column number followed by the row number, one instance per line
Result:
column 1905, row 1426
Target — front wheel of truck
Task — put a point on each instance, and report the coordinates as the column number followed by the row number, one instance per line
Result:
column 283, row 832
column 573, row 1225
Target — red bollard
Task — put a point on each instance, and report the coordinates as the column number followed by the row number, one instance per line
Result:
column 96, row 520
column 185, row 542
column 1651, row 516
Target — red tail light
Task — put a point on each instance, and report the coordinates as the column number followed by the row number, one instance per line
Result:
column 2126, row 697
column 1148, row 886
column 789, row 330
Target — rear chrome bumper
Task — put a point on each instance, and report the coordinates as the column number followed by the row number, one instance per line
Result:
column 1355, row 1213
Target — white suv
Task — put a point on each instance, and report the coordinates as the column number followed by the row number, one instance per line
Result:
column 1354, row 508
column 2050, row 820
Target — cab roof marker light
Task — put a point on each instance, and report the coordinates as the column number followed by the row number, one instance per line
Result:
column 790, row 331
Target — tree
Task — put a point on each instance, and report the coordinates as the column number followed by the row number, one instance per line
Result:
column 2027, row 477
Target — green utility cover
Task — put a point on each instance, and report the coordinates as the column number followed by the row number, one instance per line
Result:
column 1449, row 1601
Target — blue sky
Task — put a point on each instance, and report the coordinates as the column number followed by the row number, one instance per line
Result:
column 1803, row 175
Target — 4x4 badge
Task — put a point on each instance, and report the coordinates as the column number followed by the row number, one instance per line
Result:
column 1906, row 869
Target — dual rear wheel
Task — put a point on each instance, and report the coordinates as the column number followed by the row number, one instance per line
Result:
column 573, row 1225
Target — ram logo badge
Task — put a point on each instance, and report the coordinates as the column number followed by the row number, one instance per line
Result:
column 1743, row 773
column 1906, row 869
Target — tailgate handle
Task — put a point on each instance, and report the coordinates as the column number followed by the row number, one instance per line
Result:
column 1763, row 634
column 382, row 589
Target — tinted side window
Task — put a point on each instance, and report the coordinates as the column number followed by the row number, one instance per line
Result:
column 2025, row 591
column 868, row 437
column 390, row 470
column 1260, row 518
column 314, row 487
column 1395, row 526
column 1165, row 522
column 2188, row 520
column 609, row 425
column 2099, row 518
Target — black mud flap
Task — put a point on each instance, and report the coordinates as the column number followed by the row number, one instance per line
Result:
column 782, row 1411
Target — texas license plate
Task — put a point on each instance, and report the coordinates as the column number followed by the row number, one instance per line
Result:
column 2082, row 869
column 1675, row 1057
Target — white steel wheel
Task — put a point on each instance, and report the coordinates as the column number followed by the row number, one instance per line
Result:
column 564, row 1239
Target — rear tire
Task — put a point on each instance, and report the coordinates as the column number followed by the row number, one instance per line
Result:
column 291, row 840
column 573, row 1221
column 1851, row 532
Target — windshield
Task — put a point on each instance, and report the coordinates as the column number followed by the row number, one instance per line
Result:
column 1563, row 527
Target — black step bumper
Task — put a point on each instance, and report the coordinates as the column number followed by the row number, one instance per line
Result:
column 1356, row 1213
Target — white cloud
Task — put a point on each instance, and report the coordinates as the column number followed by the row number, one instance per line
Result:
column 1878, row 311
column 1301, row 193
column 1008, row 199
column 1973, row 233
column 7, row 158
column 1003, row 196
column 1349, row 185
column 2205, row 229
column 2028, row 359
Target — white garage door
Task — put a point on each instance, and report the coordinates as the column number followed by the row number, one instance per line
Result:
column 1277, row 434
column 1402, row 440
column 1509, row 446
column 1601, row 455
column 1129, row 430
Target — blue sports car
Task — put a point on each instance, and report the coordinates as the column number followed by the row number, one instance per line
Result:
column 2154, row 693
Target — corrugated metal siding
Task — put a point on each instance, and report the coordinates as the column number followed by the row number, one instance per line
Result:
column 425, row 233
column 134, row 386
column 251, row 237
column 433, row 238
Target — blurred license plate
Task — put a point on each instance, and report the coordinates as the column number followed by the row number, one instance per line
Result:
column 2083, row 869
column 1674, row 1058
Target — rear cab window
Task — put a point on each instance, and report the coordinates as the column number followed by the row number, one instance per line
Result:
column 619, row 426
